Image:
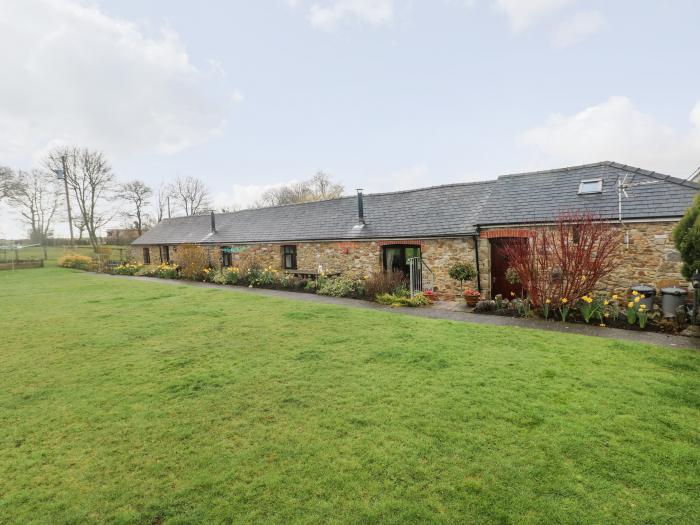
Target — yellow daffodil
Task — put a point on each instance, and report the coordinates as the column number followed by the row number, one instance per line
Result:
column 614, row 297
column 564, row 300
column 642, row 307
column 630, row 305
column 606, row 302
column 512, row 294
column 548, row 301
column 635, row 292
column 637, row 299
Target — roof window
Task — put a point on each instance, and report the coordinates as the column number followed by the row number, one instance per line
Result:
column 590, row 186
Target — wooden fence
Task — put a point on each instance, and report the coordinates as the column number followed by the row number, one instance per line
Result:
column 20, row 264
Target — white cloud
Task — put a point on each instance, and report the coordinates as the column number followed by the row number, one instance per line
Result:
column 524, row 13
column 581, row 25
column 72, row 74
column 329, row 14
column 616, row 130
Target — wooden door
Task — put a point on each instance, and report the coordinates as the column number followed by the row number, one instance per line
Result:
column 499, row 265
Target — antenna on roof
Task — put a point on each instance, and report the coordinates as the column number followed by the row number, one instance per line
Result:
column 622, row 186
column 695, row 176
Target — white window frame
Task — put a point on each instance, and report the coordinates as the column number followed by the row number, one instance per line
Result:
column 589, row 181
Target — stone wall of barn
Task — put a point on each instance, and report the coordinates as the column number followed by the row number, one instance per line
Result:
column 650, row 258
column 360, row 258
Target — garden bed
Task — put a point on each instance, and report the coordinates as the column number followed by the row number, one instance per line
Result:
column 655, row 323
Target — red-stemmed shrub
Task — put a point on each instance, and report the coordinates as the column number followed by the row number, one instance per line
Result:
column 566, row 260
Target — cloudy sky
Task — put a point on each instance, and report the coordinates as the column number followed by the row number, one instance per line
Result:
column 381, row 94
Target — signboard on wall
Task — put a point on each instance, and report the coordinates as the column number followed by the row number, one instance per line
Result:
column 234, row 249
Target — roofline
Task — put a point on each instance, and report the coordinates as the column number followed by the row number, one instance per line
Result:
column 471, row 233
column 625, row 167
column 345, row 197
column 670, row 218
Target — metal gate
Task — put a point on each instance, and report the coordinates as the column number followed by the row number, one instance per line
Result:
column 420, row 276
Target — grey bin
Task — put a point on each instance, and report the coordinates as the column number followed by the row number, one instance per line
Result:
column 671, row 299
column 647, row 293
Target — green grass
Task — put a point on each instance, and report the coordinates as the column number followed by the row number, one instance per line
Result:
column 143, row 402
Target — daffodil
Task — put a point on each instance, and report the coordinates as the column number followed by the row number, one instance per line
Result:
column 630, row 305
column 635, row 292
column 564, row 300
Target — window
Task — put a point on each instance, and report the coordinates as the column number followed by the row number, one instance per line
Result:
column 226, row 257
column 146, row 256
column 590, row 186
column 165, row 254
column 289, row 257
column 395, row 257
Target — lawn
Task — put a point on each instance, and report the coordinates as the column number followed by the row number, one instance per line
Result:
column 141, row 402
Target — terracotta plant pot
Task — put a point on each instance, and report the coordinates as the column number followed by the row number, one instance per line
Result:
column 471, row 301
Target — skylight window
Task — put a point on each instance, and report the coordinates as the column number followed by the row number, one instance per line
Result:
column 590, row 186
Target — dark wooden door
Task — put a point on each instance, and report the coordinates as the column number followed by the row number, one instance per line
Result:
column 499, row 265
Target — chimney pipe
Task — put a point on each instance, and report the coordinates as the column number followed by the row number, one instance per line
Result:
column 213, row 222
column 360, row 207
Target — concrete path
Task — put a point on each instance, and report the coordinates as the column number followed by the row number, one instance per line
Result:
column 450, row 314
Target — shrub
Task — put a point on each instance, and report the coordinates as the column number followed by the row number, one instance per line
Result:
column 231, row 275
column 385, row 283
column 462, row 272
column 261, row 278
column 686, row 236
column 341, row 286
column 397, row 300
column 192, row 261
column 126, row 269
column 512, row 276
column 167, row 271
column 566, row 260
column 147, row 271
column 80, row 262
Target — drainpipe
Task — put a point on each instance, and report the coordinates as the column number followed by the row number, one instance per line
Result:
column 476, row 253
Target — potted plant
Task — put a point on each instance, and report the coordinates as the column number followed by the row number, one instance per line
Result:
column 462, row 272
column 471, row 296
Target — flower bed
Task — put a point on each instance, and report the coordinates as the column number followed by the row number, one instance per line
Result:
column 597, row 309
column 383, row 287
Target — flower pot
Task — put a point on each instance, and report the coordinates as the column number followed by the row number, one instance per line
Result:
column 471, row 300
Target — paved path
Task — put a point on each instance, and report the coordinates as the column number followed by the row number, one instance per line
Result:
column 435, row 312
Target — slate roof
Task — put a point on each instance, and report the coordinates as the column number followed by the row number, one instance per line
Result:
column 542, row 195
column 440, row 211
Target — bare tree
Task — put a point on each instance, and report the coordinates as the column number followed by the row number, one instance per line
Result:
column 323, row 188
column 90, row 179
column 162, row 205
column 137, row 194
column 191, row 194
column 8, row 183
column 36, row 197
column 320, row 187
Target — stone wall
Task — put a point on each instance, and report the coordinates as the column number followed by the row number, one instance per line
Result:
column 650, row 258
column 359, row 257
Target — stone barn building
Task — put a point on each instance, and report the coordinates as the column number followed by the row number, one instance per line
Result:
column 442, row 225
